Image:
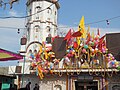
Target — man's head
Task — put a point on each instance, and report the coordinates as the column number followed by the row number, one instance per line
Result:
column 36, row 84
column 29, row 82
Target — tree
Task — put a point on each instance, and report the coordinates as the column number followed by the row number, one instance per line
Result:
column 10, row 2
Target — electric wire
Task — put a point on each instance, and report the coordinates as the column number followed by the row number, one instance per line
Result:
column 30, row 14
column 58, row 26
column 71, row 26
column 4, row 27
column 102, row 20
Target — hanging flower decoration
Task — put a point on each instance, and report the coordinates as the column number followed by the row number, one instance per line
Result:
column 91, row 52
column 88, row 51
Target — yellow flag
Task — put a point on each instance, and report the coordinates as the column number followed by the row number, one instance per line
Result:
column 93, row 35
column 81, row 27
column 40, row 73
column 40, row 51
column 81, row 24
column 45, row 52
column 78, row 40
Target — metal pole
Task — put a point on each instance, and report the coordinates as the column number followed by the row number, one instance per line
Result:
column 23, row 70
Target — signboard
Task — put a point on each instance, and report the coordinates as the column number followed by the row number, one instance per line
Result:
column 5, row 86
column 85, row 77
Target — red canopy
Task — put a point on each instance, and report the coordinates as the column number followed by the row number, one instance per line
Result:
column 7, row 55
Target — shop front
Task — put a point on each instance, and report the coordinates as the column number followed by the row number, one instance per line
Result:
column 7, row 82
column 86, row 85
column 83, row 82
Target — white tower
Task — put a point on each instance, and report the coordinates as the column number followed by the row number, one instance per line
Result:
column 42, row 21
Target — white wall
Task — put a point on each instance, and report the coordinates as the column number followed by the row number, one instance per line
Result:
column 43, row 16
column 26, row 67
column 48, row 83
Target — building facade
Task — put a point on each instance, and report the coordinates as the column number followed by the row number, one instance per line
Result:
column 56, row 64
column 41, row 21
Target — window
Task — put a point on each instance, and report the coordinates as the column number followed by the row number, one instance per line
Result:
column 38, row 8
column 55, row 12
column 30, row 51
column 37, row 17
column 36, row 32
column 58, row 87
column 48, row 29
column 48, row 19
column 37, row 28
column 35, row 52
column 30, row 12
column 49, row 11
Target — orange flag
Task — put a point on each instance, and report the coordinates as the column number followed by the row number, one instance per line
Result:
column 68, row 35
column 88, row 38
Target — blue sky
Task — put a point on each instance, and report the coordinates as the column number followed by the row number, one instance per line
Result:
column 70, row 11
column 69, row 15
column 94, row 10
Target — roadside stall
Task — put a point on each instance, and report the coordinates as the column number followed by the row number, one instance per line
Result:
column 7, row 81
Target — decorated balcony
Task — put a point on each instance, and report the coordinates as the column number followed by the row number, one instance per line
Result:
column 77, row 52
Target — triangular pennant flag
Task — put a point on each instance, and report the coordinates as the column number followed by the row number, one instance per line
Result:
column 98, row 32
column 101, row 41
column 88, row 38
column 68, row 35
column 93, row 35
column 82, row 27
column 88, row 30
column 76, row 34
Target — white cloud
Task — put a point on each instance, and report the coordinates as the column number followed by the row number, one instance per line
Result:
column 9, row 38
column 12, row 22
column 103, row 31
column 13, row 13
column 64, row 29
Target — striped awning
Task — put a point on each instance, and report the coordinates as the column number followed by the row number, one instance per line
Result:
column 8, row 55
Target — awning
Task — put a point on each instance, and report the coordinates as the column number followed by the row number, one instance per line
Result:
column 7, row 55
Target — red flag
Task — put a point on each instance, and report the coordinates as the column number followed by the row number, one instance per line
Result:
column 76, row 34
column 75, row 45
column 98, row 32
column 101, row 41
column 88, row 38
column 68, row 35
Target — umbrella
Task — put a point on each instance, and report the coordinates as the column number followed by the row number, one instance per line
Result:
column 7, row 55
